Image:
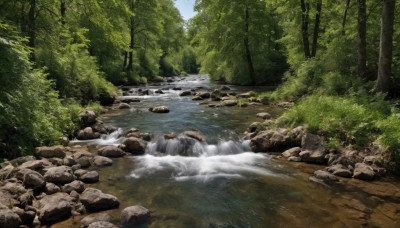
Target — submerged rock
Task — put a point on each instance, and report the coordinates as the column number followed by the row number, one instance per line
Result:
column 85, row 222
column 326, row 176
column 124, row 106
column 102, row 224
column 101, row 161
column 96, row 200
column 185, row 93
column 134, row 216
column 159, row 109
column 295, row 151
column 264, row 115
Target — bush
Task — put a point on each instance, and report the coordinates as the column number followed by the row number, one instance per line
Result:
column 345, row 119
column 389, row 139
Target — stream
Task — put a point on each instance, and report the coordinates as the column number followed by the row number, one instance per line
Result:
column 224, row 184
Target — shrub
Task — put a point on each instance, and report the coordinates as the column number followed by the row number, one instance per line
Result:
column 389, row 139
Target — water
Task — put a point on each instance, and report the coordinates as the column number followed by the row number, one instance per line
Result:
column 221, row 183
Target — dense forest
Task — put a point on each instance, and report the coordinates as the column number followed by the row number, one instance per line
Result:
column 339, row 61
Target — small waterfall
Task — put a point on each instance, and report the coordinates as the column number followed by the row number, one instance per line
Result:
column 186, row 146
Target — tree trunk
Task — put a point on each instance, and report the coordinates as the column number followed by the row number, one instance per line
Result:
column 316, row 28
column 361, row 41
column 304, row 27
column 346, row 9
column 386, row 46
column 63, row 9
column 132, row 34
column 31, row 28
column 249, row 60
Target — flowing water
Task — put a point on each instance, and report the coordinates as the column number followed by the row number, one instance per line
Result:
column 223, row 184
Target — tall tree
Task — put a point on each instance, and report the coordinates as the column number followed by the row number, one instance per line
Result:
column 305, row 8
column 316, row 28
column 250, row 66
column 386, row 46
column 362, row 38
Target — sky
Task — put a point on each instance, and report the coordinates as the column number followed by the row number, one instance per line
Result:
column 186, row 8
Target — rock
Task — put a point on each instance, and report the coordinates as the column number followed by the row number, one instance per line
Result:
column 340, row 171
column 84, row 161
column 50, row 152
column 80, row 172
column 373, row 160
column 34, row 165
column 96, row 200
column 8, row 219
column 264, row 115
column 90, row 177
column 363, row 172
column 278, row 139
column 102, row 224
column 204, row 95
column 314, row 157
column 195, row 135
column 26, row 217
column 295, row 151
column 134, row 216
column 59, row 175
column 312, row 142
column 294, row 159
column 100, row 128
column 197, row 98
column 52, row 188
column 54, row 207
column 76, row 185
column 176, row 88
column 134, row 146
column 87, row 134
column 111, row 152
column 88, row 118
column 6, row 172
column 124, row 106
column 170, row 136
column 33, row 180
column 85, row 222
column 228, row 103
column 140, row 135
column 326, row 176
column 159, row 109
column 159, row 91
column 254, row 126
column 69, row 161
column 129, row 100
column 247, row 95
column 101, row 161
column 185, row 93
column 224, row 87
column 6, row 198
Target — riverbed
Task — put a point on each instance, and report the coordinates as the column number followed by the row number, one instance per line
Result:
column 226, row 185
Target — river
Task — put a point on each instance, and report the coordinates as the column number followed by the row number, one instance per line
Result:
column 225, row 185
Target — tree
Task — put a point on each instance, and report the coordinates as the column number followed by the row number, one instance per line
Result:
column 361, row 39
column 386, row 46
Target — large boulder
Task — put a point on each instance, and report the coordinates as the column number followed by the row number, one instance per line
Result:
column 50, row 152
column 111, row 152
column 134, row 216
column 8, row 219
column 274, row 140
column 34, row 165
column 313, row 149
column 96, row 200
column 26, row 217
column 59, row 175
column 34, row 180
column 85, row 222
column 326, row 176
column 363, row 171
column 159, row 109
column 340, row 171
column 134, row 146
column 52, row 208
column 88, row 118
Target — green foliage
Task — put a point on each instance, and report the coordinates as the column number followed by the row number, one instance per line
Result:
column 348, row 120
column 389, row 139
column 31, row 113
